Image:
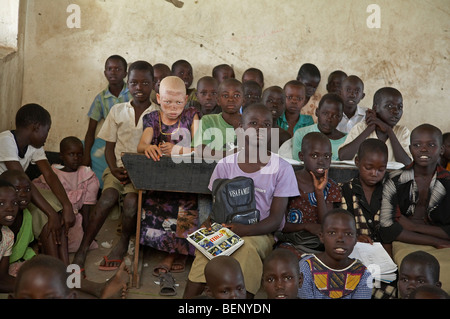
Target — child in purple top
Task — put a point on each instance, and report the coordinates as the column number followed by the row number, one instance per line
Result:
column 274, row 181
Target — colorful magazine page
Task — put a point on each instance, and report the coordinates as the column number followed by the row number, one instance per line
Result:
column 219, row 241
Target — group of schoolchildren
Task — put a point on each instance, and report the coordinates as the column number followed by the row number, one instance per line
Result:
column 308, row 223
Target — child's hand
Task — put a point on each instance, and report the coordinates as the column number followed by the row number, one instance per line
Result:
column 365, row 239
column 153, row 152
column 236, row 228
column 54, row 224
column 68, row 218
column 121, row 174
column 166, row 148
column 320, row 183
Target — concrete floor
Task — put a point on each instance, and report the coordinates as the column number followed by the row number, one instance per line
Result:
column 148, row 289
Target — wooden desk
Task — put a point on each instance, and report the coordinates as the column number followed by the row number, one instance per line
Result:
column 190, row 176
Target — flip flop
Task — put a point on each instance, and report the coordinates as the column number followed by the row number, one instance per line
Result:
column 156, row 273
column 167, row 285
column 107, row 261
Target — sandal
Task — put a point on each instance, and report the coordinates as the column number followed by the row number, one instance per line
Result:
column 158, row 273
column 167, row 285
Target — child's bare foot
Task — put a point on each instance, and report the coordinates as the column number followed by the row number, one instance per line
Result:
column 115, row 257
column 117, row 286
column 179, row 264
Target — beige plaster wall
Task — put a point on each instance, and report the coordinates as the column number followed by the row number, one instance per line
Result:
column 63, row 67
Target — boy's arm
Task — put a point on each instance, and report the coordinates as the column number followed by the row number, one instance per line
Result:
column 399, row 152
column 348, row 151
column 88, row 142
column 55, row 185
column 119, row 172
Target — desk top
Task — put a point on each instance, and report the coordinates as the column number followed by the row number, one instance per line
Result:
column 189, row 174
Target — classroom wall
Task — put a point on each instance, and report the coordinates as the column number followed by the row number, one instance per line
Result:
column 63, row 61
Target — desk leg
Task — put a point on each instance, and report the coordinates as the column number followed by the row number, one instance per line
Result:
column 136, row 277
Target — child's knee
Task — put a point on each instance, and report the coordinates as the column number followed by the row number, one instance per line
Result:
column 130, row 204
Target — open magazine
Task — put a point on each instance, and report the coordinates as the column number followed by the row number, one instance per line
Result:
column 219, row 241
column 375, row 258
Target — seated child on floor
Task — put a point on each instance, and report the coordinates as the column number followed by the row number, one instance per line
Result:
column 281, row 276
column 8, row 212
column 417, row 269
column 274, row 182
column 81, row 185
column 43, row 277
column 22, row 227
column 332, row 274
column 318, row 194
column 415, row 205
column 329, row 114
column 381, row 122
column 52, row 211
column 224, row 279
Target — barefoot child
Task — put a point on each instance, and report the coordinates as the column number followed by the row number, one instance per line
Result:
column 332, row 274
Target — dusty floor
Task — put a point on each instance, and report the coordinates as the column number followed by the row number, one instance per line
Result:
column 148, row 289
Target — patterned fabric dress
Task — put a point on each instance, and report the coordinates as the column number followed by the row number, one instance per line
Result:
column 323, row 282
column 168, row 217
